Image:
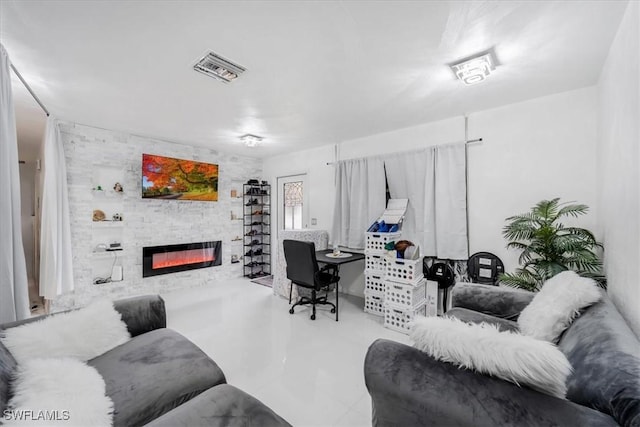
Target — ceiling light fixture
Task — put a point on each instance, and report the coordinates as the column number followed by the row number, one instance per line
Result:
column 251, row 140
column 214, row 65
column 476, row 68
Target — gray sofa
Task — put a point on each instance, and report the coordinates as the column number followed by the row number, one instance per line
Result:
column 409, row 388
column 160, row 378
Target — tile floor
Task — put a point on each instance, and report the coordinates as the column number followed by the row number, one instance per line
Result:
column 309, row 372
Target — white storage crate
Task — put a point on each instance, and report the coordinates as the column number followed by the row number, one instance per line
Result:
column 398, row 319
column 374, row 304
column 375, row 264
column 404, row 270
column 374, row 283
column 376, row 241
column 405, row 296
column 432, row 298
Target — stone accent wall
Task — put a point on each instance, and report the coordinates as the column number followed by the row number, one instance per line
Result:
column 92, row 152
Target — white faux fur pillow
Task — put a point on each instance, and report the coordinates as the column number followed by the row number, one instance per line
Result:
column 82, row 334
column 556, row 305
column 483, row 348
column 50, row 392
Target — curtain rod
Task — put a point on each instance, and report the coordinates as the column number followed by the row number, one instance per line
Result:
column 469, row 141
column 30, row 91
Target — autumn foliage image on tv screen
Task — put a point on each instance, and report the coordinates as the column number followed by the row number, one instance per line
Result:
column 168, row 178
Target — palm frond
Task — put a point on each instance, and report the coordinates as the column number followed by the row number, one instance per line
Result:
column 573, row 210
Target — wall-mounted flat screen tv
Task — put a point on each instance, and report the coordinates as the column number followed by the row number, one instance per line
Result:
column 177, row 179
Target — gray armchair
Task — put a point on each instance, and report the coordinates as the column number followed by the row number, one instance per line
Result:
column 409, row 388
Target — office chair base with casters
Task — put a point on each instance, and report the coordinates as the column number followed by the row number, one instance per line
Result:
column 313, row 301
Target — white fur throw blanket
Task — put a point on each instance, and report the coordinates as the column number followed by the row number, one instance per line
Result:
column 81, row 334
column 61, row 391
column 558, row 303
column 484, row 349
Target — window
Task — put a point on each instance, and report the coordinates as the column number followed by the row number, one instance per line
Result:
column 293, row 203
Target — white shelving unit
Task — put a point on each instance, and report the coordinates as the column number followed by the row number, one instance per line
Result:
column 107, row 199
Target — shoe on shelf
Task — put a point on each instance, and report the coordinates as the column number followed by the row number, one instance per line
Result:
column 257, row 251
column 255, row 242
column 252, row 233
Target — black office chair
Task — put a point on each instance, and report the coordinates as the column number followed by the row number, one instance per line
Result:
column 484, row 267
column 303, row 270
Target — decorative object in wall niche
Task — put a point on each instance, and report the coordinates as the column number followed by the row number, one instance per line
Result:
column 98, row 215
column 169, row 178
column 549, row 247
column 118, row 188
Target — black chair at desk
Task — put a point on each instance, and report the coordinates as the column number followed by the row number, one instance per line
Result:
column 303, row 270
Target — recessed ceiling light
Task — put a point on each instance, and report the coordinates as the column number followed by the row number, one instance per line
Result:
column 476, row 68
column 251, row 140
column 214, row 65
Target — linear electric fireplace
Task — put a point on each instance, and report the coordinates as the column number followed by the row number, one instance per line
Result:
column 172, row 258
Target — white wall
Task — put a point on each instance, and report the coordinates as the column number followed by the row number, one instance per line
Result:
column 96, row 156
column 618, row 155
column 542, row 148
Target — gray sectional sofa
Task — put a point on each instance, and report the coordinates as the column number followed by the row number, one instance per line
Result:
column 409, row 388
column 160, row 378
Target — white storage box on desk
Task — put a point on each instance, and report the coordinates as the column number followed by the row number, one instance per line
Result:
column 374, row 282
column 404, row 270
column 405, row 296
column 375, row 242
column 374, row 303
column 398, row 319
column 375, row 264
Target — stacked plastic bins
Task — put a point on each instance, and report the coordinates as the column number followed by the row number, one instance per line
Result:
column 375, row 270
column 407, row 294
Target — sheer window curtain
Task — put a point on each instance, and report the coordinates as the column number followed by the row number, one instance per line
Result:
column 434, row 181
column 56, row 269
column 359, row 200
column 14, row 294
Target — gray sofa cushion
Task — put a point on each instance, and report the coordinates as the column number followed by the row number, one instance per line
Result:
column 223, row 405
column 506, row 303
column 153, row 373
column 605, row 355
column 471, row 316
column 7, row 366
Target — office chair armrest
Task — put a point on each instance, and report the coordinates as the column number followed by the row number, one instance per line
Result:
column 327, row 267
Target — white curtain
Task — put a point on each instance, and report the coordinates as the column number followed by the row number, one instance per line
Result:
column 359, row 200
column 411, row 176
column 434, row 181
column 14, row 293
column 451, row 202
column 56, row 269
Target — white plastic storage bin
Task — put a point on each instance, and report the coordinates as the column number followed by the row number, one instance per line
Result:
column 376, row 241
column 404, row 270
column 375, row 264
column 432, row 298
column 398, row 319
column 374, row 283
column 404, row 296
column 374, row 303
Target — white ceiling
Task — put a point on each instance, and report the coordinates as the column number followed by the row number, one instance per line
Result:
column 318, row 72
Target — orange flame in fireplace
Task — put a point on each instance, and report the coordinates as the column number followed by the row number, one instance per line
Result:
column 191, row 256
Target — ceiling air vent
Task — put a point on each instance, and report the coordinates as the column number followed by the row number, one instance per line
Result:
column 215, row 66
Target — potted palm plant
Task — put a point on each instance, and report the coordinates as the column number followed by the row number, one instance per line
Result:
column 548, row 247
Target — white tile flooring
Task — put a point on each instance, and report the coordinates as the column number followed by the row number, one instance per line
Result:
column 309, row 372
